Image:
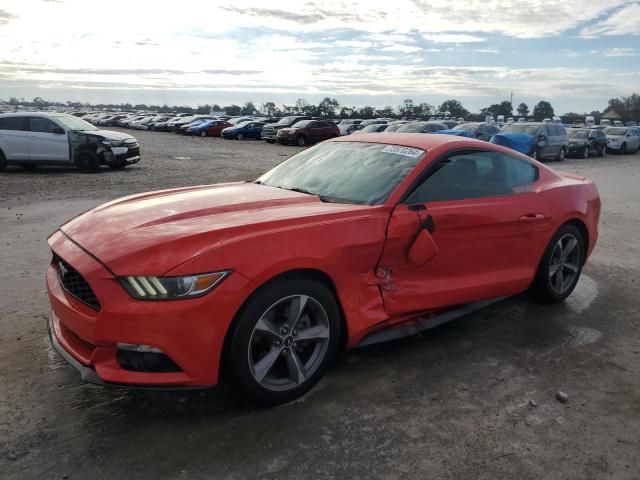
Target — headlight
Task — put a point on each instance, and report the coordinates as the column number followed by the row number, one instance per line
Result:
column 172, row 288
column 112, row 143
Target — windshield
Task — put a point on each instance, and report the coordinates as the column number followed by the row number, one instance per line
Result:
column 346, row 172
column 301, row 124
column 467, row 127
column 371, row 128
column 526, row 129
column 578, row 134
column 618, row 132
column 74, row 123
column 287, row 121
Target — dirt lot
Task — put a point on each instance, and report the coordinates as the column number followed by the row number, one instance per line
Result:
column 472, row 399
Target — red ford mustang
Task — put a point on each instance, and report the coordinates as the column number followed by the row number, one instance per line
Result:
column 347, row 243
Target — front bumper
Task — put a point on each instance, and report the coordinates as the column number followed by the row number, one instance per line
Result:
column 186, row 331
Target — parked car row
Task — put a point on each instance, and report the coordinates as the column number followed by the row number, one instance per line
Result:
column 544, row 140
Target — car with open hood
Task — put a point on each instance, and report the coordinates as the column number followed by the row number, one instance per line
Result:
column 40, row 138
column 354, row 241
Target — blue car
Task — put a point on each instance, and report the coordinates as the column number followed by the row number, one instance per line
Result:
column 244, row 130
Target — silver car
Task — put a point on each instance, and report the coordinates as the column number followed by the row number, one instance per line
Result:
column 622, row 139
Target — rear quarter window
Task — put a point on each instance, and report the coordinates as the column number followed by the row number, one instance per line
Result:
column 14, row 123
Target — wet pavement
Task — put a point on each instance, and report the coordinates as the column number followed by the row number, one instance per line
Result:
column 475, row 398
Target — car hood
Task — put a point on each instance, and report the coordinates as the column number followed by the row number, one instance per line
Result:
column 108, row 135
column 520, row 142
column 174, row 226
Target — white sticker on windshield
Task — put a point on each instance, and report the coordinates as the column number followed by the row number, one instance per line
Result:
column 406, row 151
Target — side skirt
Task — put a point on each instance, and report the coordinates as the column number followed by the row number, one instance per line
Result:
column 422, row 324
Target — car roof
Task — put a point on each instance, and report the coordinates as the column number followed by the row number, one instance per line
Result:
column 31, row 114
column 423, row 141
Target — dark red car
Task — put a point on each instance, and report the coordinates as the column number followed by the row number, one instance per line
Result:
column 354, row 241
column 307, row 132
column 211, row 128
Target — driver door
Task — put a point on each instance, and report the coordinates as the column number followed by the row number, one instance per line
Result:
column 473, row 229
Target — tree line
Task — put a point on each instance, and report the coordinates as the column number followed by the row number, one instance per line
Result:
column 628, row 108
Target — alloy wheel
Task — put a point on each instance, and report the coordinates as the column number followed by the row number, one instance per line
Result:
column 586, row 151
column 564, row 264
column 289, row 342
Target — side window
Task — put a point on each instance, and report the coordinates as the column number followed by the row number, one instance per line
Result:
column 14, row 123
column 549, row 130
column 475, row 175
column 314, row 125
column 42, row 125
column 561, row 130
column 323, row 125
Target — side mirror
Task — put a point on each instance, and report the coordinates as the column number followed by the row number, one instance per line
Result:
column 542, row 141
column 58, row 131
column 422, row 249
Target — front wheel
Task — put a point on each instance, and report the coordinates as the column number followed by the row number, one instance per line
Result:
column 561, row 155
column 623, row 149
column 239, row 136
column 271, row 141
column 301, row 141
column 203, row 133
column 586, row 152
column 87, row 161
column 283, row 340
column 561, row 265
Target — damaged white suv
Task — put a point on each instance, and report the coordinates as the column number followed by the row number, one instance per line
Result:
column 36, row 138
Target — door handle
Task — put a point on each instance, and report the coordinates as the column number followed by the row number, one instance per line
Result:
column 531, row 217
column 34, row 138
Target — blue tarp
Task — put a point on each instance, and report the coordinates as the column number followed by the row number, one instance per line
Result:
column 460, row 133
column 520, row 142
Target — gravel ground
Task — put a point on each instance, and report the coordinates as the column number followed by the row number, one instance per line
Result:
column 476, row 398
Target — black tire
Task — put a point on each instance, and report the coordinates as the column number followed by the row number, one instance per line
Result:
column 239, row 136
column 271, row 141
column 543, row 285
column 3, row 162
column 585, row 154
column 28, row 167
column 562, row 155
column 623, row 149
column 203, row 133
column 301, row 141
column 602, row 151
column 238, row 367
column 535, row 154
column 87, row 161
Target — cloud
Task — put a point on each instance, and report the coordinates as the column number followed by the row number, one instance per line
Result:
column 301, row 18
column 398, row 47
column 625, row 21
column 615, row 52
column 6, row 17
column 453, row 38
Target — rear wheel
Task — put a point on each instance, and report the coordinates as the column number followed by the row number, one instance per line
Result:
column 561, row 155
column 623, row 149
column 283, row 340
column 301, row 141
column 586, row 152
column 87, row 161
column 561, row 265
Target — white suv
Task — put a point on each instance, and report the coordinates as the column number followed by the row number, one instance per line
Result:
column 36, row 138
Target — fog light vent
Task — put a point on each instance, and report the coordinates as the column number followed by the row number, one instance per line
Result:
column 144, row 358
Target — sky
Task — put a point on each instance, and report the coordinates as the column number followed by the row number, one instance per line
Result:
column 576, row 54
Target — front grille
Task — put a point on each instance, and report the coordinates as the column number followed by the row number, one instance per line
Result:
column 76, row 285
column 133, row 152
